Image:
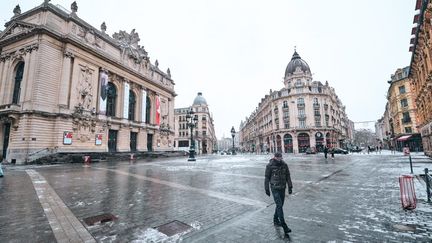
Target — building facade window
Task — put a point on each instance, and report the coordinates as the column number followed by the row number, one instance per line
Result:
column 17, row 84
column 132, row 105
column 406, row 117
column 148, row 109
column 402, row 89
column 404, row 102
column 301, row 112
column 300, row 100
column 285, row 104
column 408, row 130
column 317, row 121
column 111, row 100
column 302, row 123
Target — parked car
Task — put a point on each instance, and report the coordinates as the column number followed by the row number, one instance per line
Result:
column 340, row 151
column 356, row 149
column 310, row 151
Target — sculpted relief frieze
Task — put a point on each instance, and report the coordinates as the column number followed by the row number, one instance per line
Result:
column 85, row 87
column 83, row 116
column 20, row 53
column 88, row 36
column 128, row 43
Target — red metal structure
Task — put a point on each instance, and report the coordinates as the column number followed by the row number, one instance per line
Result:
column 408, row 196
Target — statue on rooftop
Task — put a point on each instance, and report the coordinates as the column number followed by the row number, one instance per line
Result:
column 17, row 10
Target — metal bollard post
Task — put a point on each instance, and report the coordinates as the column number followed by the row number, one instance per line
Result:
column 411, row 164
column 428, row 185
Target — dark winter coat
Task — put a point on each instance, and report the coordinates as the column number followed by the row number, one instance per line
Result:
column 277, row 175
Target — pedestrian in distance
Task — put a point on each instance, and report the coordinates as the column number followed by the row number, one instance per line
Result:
column 325, row 152
column 277, row 177
column 332, row 152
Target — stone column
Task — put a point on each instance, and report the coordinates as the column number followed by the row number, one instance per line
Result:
column 65, row 80
column 4, row 82
column 123, row 139
column 27, row 76
column 312, row 139
column 142, row 140
column 2, row 71
column 295, row 143
column 30, row 83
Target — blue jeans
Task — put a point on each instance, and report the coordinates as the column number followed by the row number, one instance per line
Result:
column 279, row 198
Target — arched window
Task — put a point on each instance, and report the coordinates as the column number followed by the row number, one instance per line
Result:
column 132, row 105
column 17, row 84
column 315, row 100
column 300, row 101
column 111, row 99
column 148, row 109
column 285, row 104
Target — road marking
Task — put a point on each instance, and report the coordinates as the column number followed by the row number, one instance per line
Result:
column 236, row 199
column 65, row 226
column 167, row 168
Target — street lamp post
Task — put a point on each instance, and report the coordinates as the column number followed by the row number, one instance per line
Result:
column 233, row 135
column 191, row 123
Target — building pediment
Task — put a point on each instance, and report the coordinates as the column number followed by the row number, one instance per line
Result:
column 16, row 28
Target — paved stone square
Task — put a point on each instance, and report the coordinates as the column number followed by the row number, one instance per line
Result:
column 353, row 198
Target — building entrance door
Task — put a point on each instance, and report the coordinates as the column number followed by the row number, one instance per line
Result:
column 112, row 141
column 6, row 132
column 149, row 142
column 133, row 141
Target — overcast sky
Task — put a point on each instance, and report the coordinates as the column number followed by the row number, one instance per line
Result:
column 234, row 52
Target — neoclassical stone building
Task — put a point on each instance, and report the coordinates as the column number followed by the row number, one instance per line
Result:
column 398, row 127
column 304, row 114
column 69, row 87
column 204, row 133
column 420, row 72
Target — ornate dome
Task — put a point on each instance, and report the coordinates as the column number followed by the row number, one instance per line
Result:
column 199, row 100
column 295, row 62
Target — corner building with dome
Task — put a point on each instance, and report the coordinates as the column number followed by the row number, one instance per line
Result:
column 303, row 114
column 203, row 134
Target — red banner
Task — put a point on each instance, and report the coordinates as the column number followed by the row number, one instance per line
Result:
column 158, row 110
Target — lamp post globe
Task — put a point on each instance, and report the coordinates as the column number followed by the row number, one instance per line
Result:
column 191, row 123
column 233, row 135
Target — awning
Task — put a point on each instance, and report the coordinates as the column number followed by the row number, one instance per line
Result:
column 404, row 138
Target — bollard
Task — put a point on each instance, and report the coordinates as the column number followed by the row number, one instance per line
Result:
column 411, row 164
column 428, row 185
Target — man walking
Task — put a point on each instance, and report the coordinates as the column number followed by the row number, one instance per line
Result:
column 277, row 176
column 325, row 152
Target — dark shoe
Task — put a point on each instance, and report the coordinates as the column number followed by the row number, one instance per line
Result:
column 286, row 229
column 277, row 223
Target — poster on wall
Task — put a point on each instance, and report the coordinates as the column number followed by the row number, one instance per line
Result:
column 103, row 80
column 144, row 106
column 126, row 101
column 98, row 139
column 67, row 138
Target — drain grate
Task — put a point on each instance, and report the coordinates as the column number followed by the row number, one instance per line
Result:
column 103, row 218
column 173, row 228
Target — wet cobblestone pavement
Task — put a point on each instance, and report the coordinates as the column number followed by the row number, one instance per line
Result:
column 354, row 198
